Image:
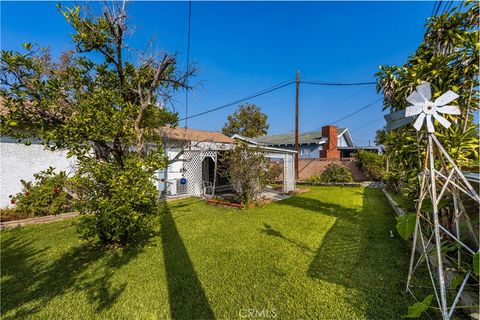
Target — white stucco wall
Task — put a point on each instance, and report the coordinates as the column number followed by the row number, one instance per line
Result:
column 18, row 161
column 174, row 172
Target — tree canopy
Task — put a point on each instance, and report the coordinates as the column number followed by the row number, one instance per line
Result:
column 103, row 102
column 448, row 59
column 78, row 102
column 248, row 120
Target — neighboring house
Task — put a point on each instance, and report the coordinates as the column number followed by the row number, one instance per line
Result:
column 331, row 143
column 192, row 154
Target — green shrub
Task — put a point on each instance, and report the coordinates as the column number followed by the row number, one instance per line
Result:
column 246, row 168
column 314, row 180
column 44, row 196
column 10, row 214
column 333, row 173
column 336, row 173
column 372, row 164
column 123, row 200
column 404, row 184
column 274, row 172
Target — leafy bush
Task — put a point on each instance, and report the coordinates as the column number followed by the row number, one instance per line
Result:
column 10, row 214
column 245, row 167
column 333, row 173
column 405, row 184
column 315, row 179
column 372, row 164
column 336, row 173
column 44, row 196
column 123, row 200
column 274, row 172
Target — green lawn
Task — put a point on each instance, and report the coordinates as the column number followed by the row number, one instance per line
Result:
column 325, row 254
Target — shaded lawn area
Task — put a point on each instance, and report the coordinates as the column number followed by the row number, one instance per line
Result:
column 325, row 254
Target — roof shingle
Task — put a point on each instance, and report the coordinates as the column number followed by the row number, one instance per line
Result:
column 289, row 138
column 183, row 134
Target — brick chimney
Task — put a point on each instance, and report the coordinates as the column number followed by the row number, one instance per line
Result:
column 330, row 150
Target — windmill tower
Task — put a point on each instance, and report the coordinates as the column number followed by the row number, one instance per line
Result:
column 437, row 231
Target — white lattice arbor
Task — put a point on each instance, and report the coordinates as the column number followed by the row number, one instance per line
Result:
column 194, row 162
column 193, row 169
column 288, row 169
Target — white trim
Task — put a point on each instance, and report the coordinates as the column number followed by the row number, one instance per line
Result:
column 277, row 149
column 348, row 137
column 341, row 133
column 237, row 136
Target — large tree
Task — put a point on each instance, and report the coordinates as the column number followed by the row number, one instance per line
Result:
column 103, row 108
column 248, row 120
column 448, row 59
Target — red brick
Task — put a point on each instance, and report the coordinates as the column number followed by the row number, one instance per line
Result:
column 310, row 167
column 330, row 150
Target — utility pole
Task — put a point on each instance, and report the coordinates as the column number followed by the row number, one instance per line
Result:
column 297, row 85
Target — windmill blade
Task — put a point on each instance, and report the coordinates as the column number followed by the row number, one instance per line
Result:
column 424, row 91
column 414, row 98
column 445, row 98
column 449, row 110
column 397, row 119
column 430, row 127
column 394, row 116
column 444, row 122
column 413, row 110
column 419, row 122
column 399, row 123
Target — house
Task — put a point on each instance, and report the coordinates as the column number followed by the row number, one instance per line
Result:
column 194, row 159
column 192, row 170
column 329, row 143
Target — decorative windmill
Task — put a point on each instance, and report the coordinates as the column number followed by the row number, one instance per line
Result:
column 440, row 178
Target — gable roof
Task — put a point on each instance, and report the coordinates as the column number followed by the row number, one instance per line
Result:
column 313, row 137
column 182, row 134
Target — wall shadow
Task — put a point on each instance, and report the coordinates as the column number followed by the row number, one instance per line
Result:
column 186, row 296
column 30, row 280
column 305, row 167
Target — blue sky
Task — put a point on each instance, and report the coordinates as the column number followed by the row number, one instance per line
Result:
column 244, row 47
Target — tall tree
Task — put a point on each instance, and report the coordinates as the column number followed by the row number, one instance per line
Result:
column 380, row 135
column 101, row 107
column 248, row 120
column 448, row 59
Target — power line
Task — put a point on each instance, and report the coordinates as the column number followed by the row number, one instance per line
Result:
column 326, row 83
column 357, row 111
column 335, row 105
column 438, row 7
column 188, row 60
column 370, row 121
column 435, row 3
column 258, row 94
column 448, row 6
column 271, row 89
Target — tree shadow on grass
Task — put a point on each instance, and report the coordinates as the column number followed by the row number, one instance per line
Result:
column 358, row 253
column 270, row 231
column 30, row 280
column 186, row 295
